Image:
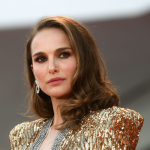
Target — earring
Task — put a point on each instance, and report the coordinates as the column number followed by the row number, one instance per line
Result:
column 37, row 87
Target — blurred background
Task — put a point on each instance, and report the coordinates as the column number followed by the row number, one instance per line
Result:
column 121, row 30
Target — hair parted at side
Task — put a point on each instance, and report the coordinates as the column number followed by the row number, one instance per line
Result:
column 91, row 88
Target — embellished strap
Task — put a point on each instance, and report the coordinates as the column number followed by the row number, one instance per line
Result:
column 42, row 135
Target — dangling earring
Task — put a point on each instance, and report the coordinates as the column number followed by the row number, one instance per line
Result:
column 37, row 87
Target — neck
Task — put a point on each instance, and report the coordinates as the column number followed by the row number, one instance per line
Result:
column 57, row 116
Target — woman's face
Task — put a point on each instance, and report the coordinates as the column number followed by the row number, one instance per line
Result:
column 53, row 57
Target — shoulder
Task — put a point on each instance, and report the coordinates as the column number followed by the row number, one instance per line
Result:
column 124, row 124
column 119, row 114
column 24, row 134
column 120, row 119
column 115, row 126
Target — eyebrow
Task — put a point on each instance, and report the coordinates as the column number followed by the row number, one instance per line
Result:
column 57, row 50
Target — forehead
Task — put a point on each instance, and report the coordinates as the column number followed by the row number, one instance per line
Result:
column 51, row 37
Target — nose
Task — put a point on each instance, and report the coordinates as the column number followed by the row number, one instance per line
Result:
column 53, row 67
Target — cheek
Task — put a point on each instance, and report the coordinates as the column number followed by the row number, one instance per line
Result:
column 39, row 73
column 70, row 69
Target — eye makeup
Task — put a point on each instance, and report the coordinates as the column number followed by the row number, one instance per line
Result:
column 41, row 59
column 64, row 54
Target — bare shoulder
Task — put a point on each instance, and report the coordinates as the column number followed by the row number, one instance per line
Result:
column 25, row 133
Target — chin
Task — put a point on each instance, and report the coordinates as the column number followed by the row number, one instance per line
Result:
column 59, row 95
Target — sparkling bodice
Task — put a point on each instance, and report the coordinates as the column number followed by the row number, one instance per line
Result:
column 112, row 129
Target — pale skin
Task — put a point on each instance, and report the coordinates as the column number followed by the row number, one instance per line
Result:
column 52, row 57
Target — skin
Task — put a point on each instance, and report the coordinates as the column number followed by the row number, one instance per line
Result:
column 52, row 57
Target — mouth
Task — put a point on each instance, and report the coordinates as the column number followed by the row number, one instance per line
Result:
column 54, row 81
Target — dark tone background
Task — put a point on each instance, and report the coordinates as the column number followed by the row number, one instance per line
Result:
column 125, row 44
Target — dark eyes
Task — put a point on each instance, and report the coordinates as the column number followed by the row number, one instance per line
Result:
column 41, row 59
column 64, row 55
column 61, row 55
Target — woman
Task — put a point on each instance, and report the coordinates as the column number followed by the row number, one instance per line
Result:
column 70, row 92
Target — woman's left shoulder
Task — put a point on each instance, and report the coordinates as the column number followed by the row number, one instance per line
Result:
column 122, row 115
column 124, row 123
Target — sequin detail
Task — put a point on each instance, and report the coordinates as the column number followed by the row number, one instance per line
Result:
column 41, row 136
column 112, row 129
column 23, row 135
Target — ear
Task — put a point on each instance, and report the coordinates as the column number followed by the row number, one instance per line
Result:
column 32, row 71
column 31, row 67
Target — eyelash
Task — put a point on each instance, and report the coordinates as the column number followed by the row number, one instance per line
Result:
column 66, row 53
column 38, row 59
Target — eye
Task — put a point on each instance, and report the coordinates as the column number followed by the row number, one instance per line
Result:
column 40, row 59
column 64, row 55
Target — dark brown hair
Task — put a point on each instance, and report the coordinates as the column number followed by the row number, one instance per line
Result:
column 91, row 89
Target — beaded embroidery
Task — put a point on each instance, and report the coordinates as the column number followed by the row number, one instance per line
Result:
column 112, row 129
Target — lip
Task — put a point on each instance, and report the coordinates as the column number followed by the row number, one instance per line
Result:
column 56, row 80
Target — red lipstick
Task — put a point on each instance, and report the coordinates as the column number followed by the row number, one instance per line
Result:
column 57, row 80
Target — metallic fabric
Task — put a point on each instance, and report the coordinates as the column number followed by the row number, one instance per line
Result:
column 108, row 129
column 44, row 132
column 23, row 135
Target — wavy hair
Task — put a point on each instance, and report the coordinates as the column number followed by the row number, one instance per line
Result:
column 91, row 88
